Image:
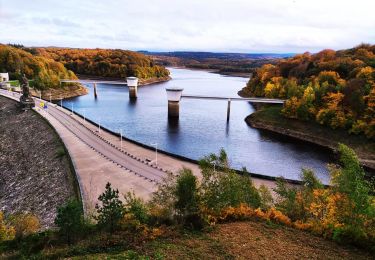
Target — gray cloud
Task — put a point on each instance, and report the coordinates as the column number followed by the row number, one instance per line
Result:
column 226, row 25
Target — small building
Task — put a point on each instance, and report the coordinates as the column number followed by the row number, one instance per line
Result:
column 4, row 76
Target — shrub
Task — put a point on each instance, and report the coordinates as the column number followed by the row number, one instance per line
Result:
column 111, row 210
column 24, row 224
column 70, row 220
column 266, row 199
column 187, row 200
column 136, row 207
column 7, row 232
column 222, row 187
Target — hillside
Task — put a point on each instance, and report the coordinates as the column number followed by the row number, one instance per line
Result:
column 240, row 240
column 105, row 62
column 44, row 72
column 332, row 88
column 239, row 64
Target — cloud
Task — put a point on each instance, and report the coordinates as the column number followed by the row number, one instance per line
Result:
column 202, row 25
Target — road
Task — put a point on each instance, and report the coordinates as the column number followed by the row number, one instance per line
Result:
column 107, row 149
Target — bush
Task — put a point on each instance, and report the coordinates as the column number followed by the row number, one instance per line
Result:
column 266, row 199
column 111, row 211
column 70, row 220
column 187, row 199
column 24, row 224
column 222, row 187
column 7, row 232
column 136, row 207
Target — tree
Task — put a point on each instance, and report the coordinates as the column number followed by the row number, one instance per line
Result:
column 70, row 220
column 24, row 224
column 187, row 199
column 111, row 209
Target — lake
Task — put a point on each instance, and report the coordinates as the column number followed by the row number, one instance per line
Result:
column 202, row 127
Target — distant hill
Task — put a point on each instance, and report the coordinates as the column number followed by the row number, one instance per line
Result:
column 223, row 63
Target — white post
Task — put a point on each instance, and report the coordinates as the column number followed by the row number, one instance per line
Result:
column 156, row 153
column 121, row 138
column 40, row 95
column 50, row 98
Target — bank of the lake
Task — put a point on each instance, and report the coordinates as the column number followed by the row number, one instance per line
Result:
column 271, row 119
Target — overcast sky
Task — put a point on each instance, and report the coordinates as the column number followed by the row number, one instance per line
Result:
column 196, row 25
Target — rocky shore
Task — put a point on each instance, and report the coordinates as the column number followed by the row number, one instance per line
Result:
column 269, row 120
column 35, row 171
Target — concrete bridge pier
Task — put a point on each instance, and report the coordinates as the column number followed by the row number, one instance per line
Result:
column 228, row 110
column 132, row 83
column 174, row 97
column 95, row 91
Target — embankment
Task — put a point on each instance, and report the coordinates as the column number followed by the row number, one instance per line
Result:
column 35, row 171
column 270, row 119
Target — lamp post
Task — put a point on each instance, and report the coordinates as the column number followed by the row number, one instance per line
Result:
column 156, row 153
column 121, row 138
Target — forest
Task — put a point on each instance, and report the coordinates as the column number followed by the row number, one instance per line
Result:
column 105, row 62
column 44, row 72
column 332, row 88
column 46, row 66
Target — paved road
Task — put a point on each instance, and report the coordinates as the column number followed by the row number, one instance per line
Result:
column 102, row 146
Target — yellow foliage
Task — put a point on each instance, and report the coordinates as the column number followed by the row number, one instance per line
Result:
column 25, row 224
column 6, row 232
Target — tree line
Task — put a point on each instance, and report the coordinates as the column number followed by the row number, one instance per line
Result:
column 105, row 62
column 333, row 88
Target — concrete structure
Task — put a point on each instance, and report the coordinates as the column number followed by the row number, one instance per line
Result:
column 4, row 76
column 4, row 81
column 132, row 83
column 95, row 91
column 174, row 97
column 229, row 99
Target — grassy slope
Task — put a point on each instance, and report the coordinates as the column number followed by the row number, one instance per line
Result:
column 239, row 240
column 271, row 118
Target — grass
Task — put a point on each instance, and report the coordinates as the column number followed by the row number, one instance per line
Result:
column 238, row 240
column 364, row 147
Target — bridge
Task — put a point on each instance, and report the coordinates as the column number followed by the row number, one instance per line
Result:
column 174, row 95
column 131, row 82
column 229, row 99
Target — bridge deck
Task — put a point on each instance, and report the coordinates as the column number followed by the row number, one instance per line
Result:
column 94, row 82
column 255, row 100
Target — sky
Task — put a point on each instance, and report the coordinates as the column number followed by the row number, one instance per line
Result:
column 250, row 26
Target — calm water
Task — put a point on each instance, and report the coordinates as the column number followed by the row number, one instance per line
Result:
column 202, row 128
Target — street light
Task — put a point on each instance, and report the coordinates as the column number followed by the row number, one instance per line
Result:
column 121, row 138
column 156, row 152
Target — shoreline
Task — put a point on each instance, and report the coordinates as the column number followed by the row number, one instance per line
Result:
column 231, row 74
column 320, row 135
